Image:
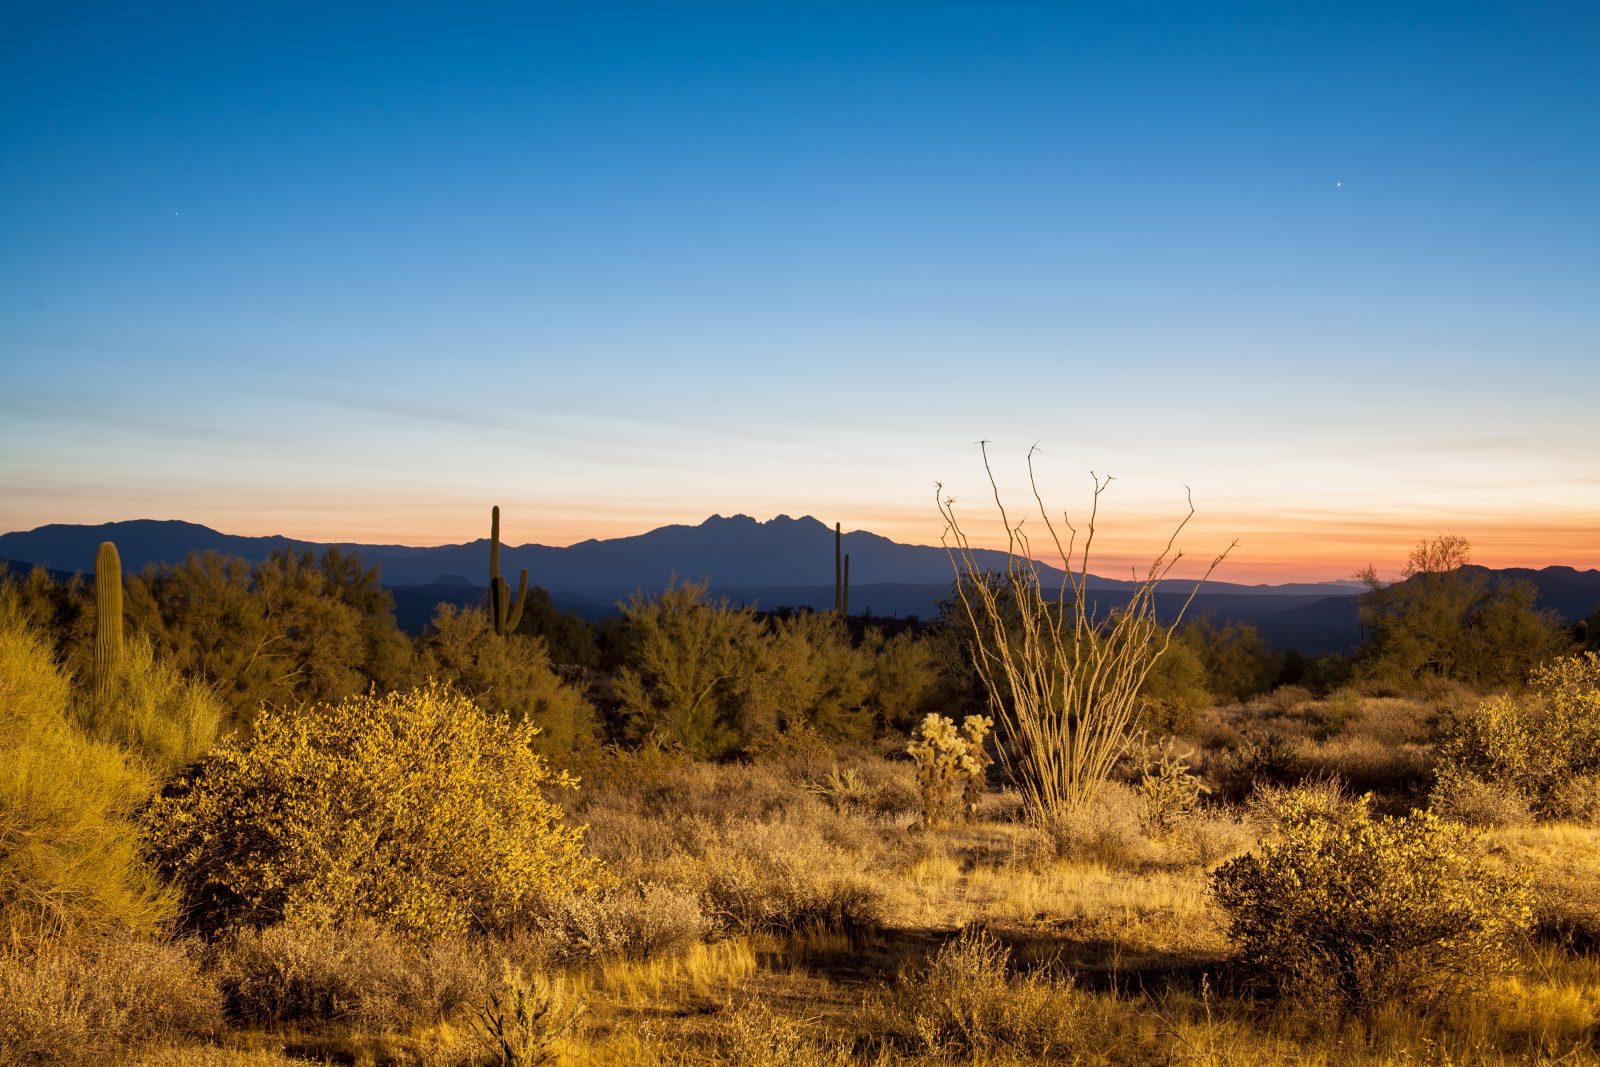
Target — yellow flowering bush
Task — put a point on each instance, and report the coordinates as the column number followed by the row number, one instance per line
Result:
column 416, row 809
column 1350, row 910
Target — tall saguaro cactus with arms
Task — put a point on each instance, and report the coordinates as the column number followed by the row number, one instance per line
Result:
column 502, row 612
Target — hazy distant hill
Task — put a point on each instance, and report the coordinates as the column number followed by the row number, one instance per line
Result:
column 781, row 562
column 734, row 552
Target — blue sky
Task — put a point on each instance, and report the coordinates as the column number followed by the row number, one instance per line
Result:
column 357, row 275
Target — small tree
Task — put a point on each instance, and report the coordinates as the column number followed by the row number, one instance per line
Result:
column 1451, row 620
column 689, row 667
column 1063, row 680
column 416, row 809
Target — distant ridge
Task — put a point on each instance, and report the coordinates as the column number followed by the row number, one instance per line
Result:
column 734, row 551
column 781, row 562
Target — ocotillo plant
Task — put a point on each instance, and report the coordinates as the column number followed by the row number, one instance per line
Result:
column 107, row 615
column 502, row 613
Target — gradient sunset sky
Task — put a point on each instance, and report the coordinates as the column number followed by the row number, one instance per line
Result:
column 356, row 272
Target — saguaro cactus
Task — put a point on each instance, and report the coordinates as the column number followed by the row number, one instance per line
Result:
column 502, row 612
column 107, row 615
column 841, row 575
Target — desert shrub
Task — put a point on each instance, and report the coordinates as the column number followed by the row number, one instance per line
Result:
column 1207, row 836
column 1576, row 799
column 511, row 674
column 292, row 628
column 1365, row 763
column 151, row 709
column 1108, row 830
column 964, row 1004
column 1538, row 745
column 804, row 671
column 356, row 972
column 689, row 669
column 1469, row 799
column 756, row 1036
column 1450, row 620
column 1347, row 909
column 1169, row 789
column 529, row 1020
column 1331, row 715
column 904, row 678
column 635, row 922
column 69, row 850
column 951, row 765
column 775, row 876
column 1260, row 758
column 1174, row 691
column 801, row 752
column 85, row 1000
column 415, row 809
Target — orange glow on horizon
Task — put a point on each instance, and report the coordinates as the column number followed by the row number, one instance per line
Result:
column 1271, row 549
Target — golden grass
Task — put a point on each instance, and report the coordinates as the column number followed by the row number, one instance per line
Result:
column 1121, row 957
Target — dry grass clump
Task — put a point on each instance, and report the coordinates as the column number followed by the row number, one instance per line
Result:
column 775, row 876
column 1368, row 765
column 756, row 1036
column 964, row 1004
column 357, row 973
column 623, row 922
column 1562, row 863
column 1108, row 830
column 756, row 852
column 1469, row 799
column 82, row 1000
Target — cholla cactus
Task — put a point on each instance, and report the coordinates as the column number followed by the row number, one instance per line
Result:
column 949, row 765
column 975, row 729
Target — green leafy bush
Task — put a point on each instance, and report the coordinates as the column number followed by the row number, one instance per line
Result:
column 416, row 809
column 512, row 674
column 1347, row 909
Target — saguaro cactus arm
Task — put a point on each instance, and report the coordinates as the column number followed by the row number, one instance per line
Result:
column 503, row 612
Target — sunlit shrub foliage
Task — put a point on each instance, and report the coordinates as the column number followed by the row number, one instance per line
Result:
column 416, row 809
column 151, row 709
column 1350, row 910
column 68, row 848
column 1541, row 748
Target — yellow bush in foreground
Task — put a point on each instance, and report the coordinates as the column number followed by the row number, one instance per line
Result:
column 416, row 809
column 1355, row 911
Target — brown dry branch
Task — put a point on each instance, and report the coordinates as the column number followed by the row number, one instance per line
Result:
column 1062, row 679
